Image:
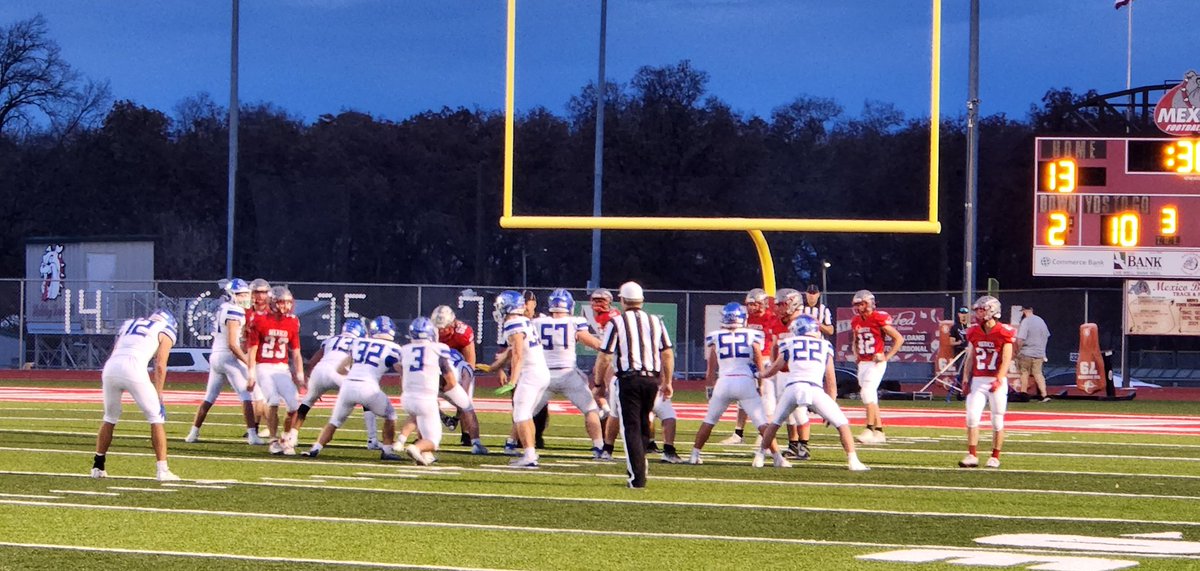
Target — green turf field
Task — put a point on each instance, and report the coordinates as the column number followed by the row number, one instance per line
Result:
column 239, row 508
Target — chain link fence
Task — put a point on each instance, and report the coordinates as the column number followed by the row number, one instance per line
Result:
column 74, row 329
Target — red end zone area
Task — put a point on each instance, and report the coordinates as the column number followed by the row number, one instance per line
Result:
column 895, row 417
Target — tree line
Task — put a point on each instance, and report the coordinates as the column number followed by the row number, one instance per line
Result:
column 359, row 198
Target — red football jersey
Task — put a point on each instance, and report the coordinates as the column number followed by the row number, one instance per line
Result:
column 457, row 336
column 273, row 336
column 869, row 333
column 987, row 347
column 771, row 326
column 602, row 319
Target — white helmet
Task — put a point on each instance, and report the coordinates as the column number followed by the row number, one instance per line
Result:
column 756, row 295
column 990, row 305
column 864, row 296
column 442, row 316
column 790, row 299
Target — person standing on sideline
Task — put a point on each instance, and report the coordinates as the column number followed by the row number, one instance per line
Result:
column 867, row 329
column 1032, row 336
column 990, row 354
column 958, row 340
column 125, row 371
column 636, row 346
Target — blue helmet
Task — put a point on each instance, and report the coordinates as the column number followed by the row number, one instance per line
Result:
column 382, row 325
column 733, row 315
column 164, row 314
column 804, row 325
column 354, row 327
column 508, row 302
column 562, row 300
column 422, row 328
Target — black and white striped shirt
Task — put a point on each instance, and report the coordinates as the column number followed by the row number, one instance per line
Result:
column 818, row 312
column 636, row 340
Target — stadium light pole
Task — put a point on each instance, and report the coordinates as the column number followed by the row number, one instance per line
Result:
column 972, row 157
column 598, row 172
column 825, row 265
column 233, row 139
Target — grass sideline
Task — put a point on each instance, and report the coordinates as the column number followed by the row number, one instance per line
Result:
column 573, row 513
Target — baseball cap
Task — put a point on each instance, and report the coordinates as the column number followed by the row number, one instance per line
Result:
column 631, row 291
column 812, row 288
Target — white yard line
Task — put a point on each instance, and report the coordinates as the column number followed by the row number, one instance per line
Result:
column 237, row 557
column 130, row 489
column 195, row 486
column 84, row 493
column 531, row 529
column 30, row 496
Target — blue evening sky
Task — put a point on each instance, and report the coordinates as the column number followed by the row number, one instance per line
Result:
column 394, row 58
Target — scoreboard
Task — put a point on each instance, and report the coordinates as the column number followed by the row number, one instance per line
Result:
column 1108, row 207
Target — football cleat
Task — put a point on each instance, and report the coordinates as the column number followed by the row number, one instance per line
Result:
column 757, row 462
column 289, row 449
column 275, row 447
column 671, row 458
column 733, row 439
column 193, row 436
column 263, row 432
column 373, row 444
column 695, row 459
column 524, row 462
column 479, row 449
column 880, row 437
column 993, row 462
column 857, row 466
column 450, row 422
column 510, row 449
column 597, row 453
column 415, row 453
column 390, row 456
column 312, row 453
column 652, row 446
column 781, row 462
column 167, row 476
column 254, row 439
column 969, row 461
column 865, row 437
column 605, row 456
column 98, row 473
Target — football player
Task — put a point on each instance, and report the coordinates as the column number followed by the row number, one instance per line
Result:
column 274, row 339
column 426, row 367
column 369, row 359
column 323, row 367
column 734, row 354
column 228, row 362
column 808, row 358
column 603, row 311
column 989, row 354
column 867, row 329
column 461, row 400
column 140, row 340
column 459, row 336
column 260, row 297
column 559, row 332
column 528, row 367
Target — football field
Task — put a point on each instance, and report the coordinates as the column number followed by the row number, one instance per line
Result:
column 1083, row 486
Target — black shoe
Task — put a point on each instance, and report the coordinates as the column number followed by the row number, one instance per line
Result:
column 538, row 443
column 802, row 452
column 465, row 440
column 651, row 446
column 450, row 422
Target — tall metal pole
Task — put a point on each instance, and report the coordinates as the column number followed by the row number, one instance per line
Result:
column 1129, row 61
column 598, row 173
column 233, row 139
column 972, row 158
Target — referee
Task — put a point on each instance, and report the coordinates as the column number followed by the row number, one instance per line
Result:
column 637, row 349
column 814, row 308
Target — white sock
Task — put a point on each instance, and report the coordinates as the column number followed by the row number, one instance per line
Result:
column 369, row 420
column 293, row 434
column 387, row 449
column 598, row 443
column 852, row 457
column 162, row 466
column 194, row 431
column 531, row 452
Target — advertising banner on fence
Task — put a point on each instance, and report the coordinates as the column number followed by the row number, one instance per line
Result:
column 1162, row 307
column 918, row 325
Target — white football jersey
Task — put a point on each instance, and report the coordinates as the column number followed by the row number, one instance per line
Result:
column 535, row 359
column 806, row 358
column 735, row 350
column 422, row 368
column 139, row 338
column 335, row 349
column 226, row 313
column 372, row 358
column 557, row 335
column 465, row 372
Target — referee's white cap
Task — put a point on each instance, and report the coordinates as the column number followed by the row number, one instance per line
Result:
column 631, row 291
